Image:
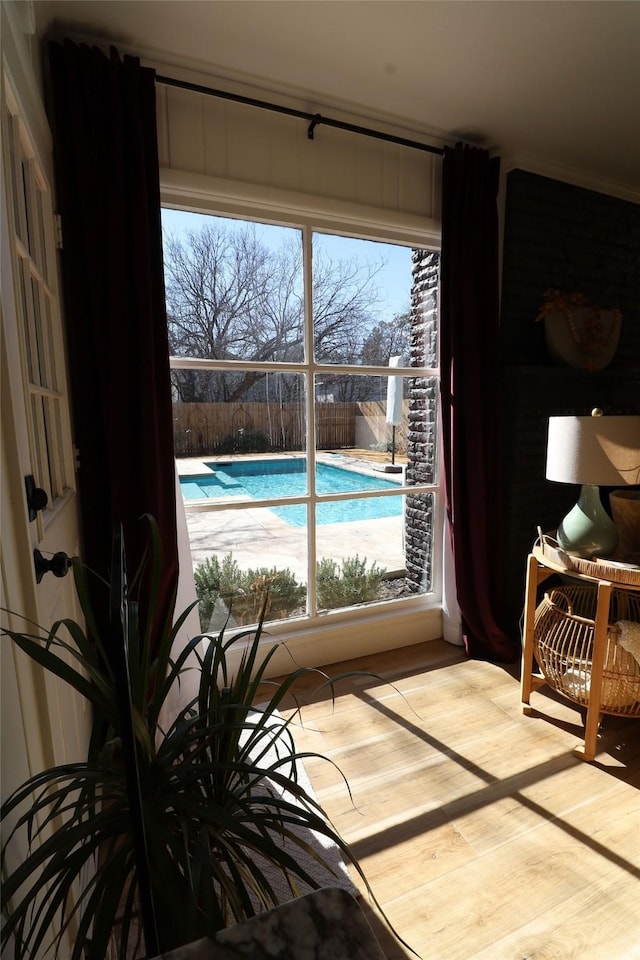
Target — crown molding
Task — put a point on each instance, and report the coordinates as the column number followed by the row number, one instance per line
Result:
column 572, row 176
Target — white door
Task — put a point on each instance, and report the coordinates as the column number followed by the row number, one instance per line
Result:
column 42, row 723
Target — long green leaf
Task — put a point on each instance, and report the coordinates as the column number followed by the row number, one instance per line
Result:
column 54, row 664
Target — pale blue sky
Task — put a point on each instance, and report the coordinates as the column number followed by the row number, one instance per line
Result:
column 393, row 280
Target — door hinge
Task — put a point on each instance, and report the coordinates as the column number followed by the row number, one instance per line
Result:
column 76, row 458
column 57, row 225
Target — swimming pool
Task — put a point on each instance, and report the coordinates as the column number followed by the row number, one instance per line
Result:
column 262, row 479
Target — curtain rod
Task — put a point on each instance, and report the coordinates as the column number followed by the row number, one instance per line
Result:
column 315, row 119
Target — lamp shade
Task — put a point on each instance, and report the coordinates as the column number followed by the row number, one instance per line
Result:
column 597, row 450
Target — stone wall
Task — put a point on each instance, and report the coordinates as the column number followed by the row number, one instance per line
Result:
column 421, row 435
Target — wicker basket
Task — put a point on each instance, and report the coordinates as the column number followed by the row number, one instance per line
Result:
column 563, row 642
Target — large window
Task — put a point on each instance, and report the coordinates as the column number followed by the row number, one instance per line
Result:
column 305, row 382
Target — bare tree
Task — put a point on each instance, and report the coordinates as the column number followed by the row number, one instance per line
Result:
column 388, row 339
column 231, row 296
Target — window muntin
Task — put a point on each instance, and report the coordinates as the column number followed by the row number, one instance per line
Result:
column 333, row 361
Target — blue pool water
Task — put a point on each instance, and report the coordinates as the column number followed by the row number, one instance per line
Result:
column 260, row 479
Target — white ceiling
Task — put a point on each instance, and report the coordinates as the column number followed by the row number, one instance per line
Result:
column 544, row 83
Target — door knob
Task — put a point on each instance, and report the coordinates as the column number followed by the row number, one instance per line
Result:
column 37, row 498
column 58, row 565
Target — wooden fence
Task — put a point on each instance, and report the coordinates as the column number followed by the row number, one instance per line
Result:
column 204, row 429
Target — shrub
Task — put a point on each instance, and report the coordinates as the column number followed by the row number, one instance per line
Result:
column 350, row 585
column 244, row 591
column 277, row 591
column 214, row 580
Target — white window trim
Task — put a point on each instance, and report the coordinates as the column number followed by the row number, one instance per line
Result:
column 201, row 194
column 355, row 632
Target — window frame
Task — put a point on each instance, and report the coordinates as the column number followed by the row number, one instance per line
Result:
column 196, row 193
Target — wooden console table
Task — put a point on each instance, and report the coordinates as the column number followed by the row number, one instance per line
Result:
column 542, row 563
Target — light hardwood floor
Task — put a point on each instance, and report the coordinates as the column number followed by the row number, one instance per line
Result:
column 482, row 836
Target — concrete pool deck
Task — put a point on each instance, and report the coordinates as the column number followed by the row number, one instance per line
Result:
column 257, row 537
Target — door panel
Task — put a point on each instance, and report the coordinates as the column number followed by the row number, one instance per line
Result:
column 39, row 419
column 43, row 722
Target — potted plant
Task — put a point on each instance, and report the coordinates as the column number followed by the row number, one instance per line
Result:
column 218, row 791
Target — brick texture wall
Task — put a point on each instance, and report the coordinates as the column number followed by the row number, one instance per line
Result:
column 560, row 237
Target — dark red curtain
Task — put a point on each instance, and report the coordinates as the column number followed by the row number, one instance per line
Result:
column 469, row 356
column 107, row 174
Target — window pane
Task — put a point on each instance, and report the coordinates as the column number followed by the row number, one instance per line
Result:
column 371, row 302
column 26, row 306
column 366, row 416
column 351, row 473
column 58, row 448
column 50, row 408
column 41, row 259
column 372, row 550
column 13, row 136
column 386, row 427
column 422, row 434
column 248, row 412
column 234, row 289
column 418, row 541
column 244, row 558
column 39, row 346
column 49, row 347
column 42, row 474
column 25, row 173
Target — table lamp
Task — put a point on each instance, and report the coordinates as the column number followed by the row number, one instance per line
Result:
column 592, row 451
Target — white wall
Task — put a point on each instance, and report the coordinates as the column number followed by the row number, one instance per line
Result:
column 201, row 134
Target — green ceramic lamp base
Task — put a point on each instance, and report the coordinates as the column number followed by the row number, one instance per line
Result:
column 588, row 530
